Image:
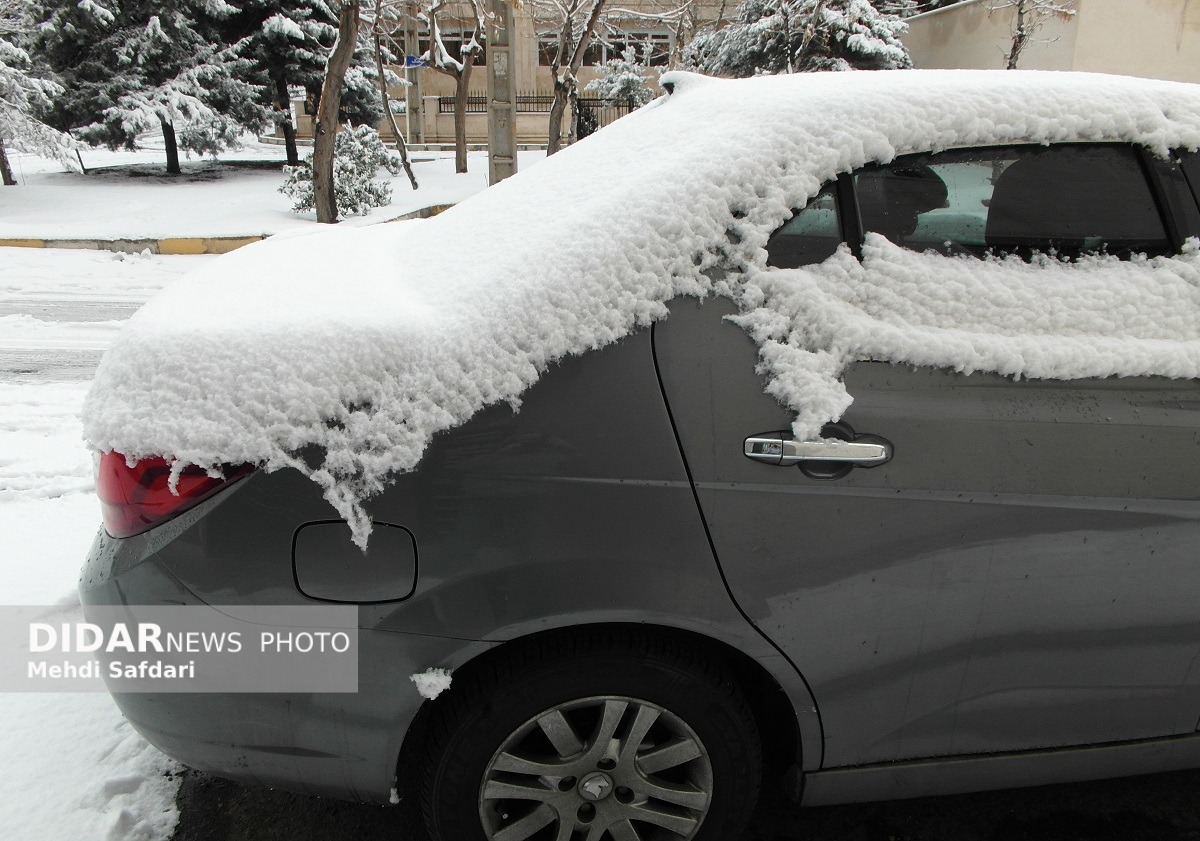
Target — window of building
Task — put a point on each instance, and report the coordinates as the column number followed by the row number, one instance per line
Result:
column 453, row 39
column 653, row 48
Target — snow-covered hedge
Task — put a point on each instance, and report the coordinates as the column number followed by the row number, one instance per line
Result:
column 366, row 342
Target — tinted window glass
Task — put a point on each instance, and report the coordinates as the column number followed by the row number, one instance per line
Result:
column 1177, row 197
column 1072, row 199
column 1189, row 162
column 811, row 236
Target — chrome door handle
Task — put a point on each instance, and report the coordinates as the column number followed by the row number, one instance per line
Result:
column 786, row 451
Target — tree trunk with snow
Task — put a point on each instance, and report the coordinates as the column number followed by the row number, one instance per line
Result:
column 5, row 169
column 461, row 92
column 283, row 103
column 459, row 68
column 325, row 132
column 1028, row 17
column 558, row 107
column 401, row 141
column 1020, row 37
column 566, row 84
column 172, row 147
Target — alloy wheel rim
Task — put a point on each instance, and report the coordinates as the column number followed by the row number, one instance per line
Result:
column 601, row 768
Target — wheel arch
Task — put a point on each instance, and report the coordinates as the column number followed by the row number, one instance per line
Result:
column 773, row 707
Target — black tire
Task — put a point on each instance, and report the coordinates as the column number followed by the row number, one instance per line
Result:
column 592, row 673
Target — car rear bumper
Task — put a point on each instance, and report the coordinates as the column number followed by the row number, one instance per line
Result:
column 342, row 745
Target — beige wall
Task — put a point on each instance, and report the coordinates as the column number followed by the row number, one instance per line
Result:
column 968, row 35
column 1158, row 39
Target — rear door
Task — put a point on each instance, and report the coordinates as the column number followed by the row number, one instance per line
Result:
column 1023, row 572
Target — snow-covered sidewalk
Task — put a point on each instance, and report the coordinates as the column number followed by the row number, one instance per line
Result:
column 75, row 770
column 126, row 195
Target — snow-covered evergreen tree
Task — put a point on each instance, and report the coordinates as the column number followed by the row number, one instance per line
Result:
column 23, row 93
column 793, row 36
column 358, row 156
column 133, row 66
column 287, row 43
column 625, row 79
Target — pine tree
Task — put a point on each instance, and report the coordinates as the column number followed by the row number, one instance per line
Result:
column 287, row 43
column 132, row 66
column 24, row 92
column 625, row 79
column 794, row 36
column 358, row 155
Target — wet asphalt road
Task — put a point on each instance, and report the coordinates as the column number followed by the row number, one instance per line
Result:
column 1161, row 807
column 59, row 364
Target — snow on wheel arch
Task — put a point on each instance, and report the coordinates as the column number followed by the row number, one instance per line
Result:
column 363, row 343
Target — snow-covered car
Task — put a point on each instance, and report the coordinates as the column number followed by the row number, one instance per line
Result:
column 841, row 429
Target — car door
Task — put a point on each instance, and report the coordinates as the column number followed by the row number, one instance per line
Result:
column 1022, row 573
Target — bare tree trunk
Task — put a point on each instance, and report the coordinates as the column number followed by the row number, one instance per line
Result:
column 558, row 108
column 401, row 145
column 327, row 112
column 461, row 92
column 565, row 85
column 5, row 169
column 168, row 132
column 284, row 103
column 1020, row 37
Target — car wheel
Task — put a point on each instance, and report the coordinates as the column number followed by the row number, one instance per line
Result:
column 599, row 736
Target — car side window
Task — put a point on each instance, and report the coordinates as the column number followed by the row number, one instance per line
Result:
column 1189, row 162
column 811, row 236
column 1070, row 199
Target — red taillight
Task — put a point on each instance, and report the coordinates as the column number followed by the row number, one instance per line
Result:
column 135, row 499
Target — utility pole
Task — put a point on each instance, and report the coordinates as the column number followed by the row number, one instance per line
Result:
column 502, row 96
column 414, row 117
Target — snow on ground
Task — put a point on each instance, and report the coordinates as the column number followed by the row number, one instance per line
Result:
column 126, row 195
column 29, row 275
column 41, row 449
column 75, row 770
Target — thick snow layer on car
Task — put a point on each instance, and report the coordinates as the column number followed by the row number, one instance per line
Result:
column 361, row 344
column 1096, row 317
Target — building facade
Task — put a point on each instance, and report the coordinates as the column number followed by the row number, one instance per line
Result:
column 1158, row 39
column 656, row 30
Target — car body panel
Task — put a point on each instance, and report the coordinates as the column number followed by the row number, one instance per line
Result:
column 1020, row 575
column 575, row 509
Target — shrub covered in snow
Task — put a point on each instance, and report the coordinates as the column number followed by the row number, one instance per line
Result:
column 258, row 356
column 358, row 156
column 624, row 79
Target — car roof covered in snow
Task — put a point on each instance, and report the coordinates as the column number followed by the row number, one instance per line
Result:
column 365, row 342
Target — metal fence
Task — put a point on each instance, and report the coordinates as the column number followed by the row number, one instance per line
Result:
column 604, row 110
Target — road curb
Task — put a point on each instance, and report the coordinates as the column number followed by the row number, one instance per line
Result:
column 181, row 245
